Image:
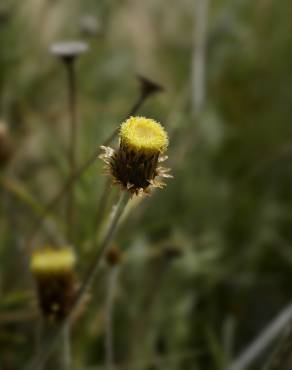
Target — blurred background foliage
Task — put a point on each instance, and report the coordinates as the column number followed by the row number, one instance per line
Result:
column 227, row 212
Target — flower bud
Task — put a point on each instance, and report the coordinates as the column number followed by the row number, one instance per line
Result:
column 135, row 164
column 53, row 270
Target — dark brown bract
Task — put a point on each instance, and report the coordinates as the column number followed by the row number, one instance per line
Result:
column 56, row 294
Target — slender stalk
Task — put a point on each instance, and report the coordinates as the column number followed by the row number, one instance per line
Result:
column 199, row 57
column 142, row 348
column 50, row 344
column 282, row 352
column 198, row 78
column 109, row 331
column 70, row 67
column 76, row 175
column 263, row 341
column 142, row 97
column 66, row 348
column 61, row 355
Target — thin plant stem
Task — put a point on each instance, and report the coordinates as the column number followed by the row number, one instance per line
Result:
column 263, row 341
column 199, row 57
column 70, row 68
column 61, row 354
column 158, row 360
column 132, row 111
column 76, row 175
column 39, row 334
column 282, row 352
column 198, row 79
column 138, row 103
column 109, row 326
column 66, row 348
column 16, row 190
column 141, row 326
column 50, row 344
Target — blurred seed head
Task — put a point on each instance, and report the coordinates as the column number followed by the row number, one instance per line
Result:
column 5, row 15
column 172, row 252
column 89, row 25
column 113, row 256
column 68, row 51
column 54, row 272
column 135, row 164
column 149, row 87
column 6, row 144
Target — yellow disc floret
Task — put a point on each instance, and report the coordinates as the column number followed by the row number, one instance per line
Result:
column 144, row 134
column 50, row 260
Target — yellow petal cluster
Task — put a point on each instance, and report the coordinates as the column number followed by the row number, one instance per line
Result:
column 143, row 134
column 50, row 260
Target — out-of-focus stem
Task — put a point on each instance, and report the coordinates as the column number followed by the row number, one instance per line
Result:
column 140, row 348
column 198, row 78
column 70, row 67
column 263, row 341
column 281, row 354
column 66, row 348
column 109, row 327
column 49, row 345
column 199, row 57
column 61, row 355
column 77, row 174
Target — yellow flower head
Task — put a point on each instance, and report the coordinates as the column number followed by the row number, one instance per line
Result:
column 54, row 274
column 50, row 260
column 144, row 134
column 135, row 164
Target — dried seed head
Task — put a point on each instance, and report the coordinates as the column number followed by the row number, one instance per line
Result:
column 89, row 25
column 149, row 87
column 113, row 256
column 5, row 15
column 172, row 252
column 134, row 165
column 68, row 50
column 53, row 270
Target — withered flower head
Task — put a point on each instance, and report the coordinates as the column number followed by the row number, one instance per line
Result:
column 5, row 15
column 113, row 256
column 53, row 270
column 135, row 164
column 68, row 50
column 149, row 87
column 89, row 25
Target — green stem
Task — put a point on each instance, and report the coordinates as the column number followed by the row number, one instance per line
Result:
column 279, row 357
column 49, row 345
column 60, row 357
column 109, row 327
column 76, row 175
column 70, row 66
column 66, row 349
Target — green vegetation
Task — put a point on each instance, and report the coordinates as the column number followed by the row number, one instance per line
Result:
column 203, row 265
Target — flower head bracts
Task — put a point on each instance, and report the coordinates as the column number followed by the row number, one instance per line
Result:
column 54, row 274
column 134, row 165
